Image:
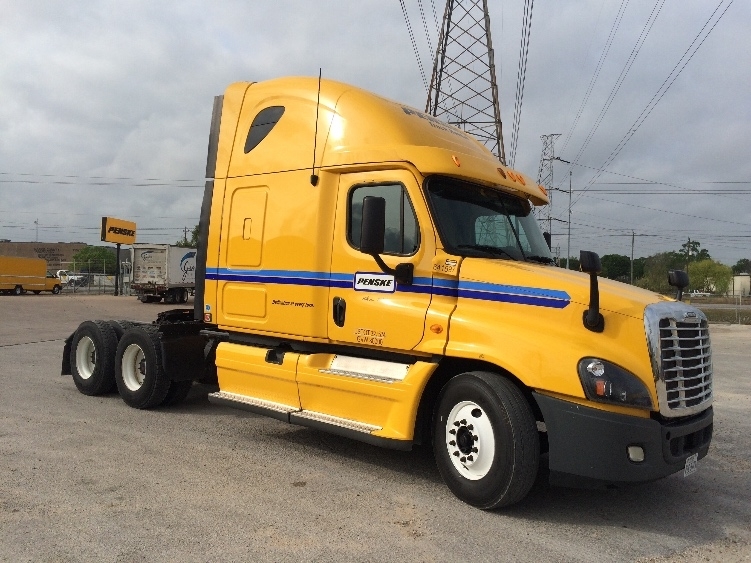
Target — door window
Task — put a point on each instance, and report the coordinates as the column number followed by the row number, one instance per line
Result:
column 402, row 235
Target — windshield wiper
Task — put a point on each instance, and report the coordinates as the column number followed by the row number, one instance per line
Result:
column 541, row 259
column 487, row 248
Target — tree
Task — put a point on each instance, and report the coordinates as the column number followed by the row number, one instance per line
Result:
column 616, row 267
column 656, row 269
column 743, row 266
column 693, row 252
column 573, row 263
column 710, row 276
column 96, row 260
column 191, row 242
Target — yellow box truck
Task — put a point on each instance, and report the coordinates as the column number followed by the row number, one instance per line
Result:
column 19, row 275
column 366, row 269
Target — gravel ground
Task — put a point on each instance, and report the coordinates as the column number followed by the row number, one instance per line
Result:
column 84, row 478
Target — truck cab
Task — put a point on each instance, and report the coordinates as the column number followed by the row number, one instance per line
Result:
column 369, row 270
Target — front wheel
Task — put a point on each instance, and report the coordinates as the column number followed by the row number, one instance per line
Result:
column 140, row 376
column 485, row 440
column 56, row 290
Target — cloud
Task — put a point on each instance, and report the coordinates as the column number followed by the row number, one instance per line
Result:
column 124, row 90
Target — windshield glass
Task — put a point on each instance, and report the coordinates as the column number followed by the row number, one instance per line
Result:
column 475, row 220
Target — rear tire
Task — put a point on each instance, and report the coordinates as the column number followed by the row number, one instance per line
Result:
column 140, row 376
column 485, row 440
column 92, row 357
column 120, row 327
column 18, row 290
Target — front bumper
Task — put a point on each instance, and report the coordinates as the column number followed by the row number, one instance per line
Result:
column 589, row 447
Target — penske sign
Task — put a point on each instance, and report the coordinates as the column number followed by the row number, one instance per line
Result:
column 118, row 231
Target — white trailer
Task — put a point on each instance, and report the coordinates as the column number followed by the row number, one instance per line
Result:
column 163, row 271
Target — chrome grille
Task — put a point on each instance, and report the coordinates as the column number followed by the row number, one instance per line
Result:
column 681, row 357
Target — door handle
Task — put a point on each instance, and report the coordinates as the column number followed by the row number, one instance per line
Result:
column 339, row 309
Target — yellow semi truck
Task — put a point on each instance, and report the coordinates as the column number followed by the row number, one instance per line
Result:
column 19, row 275
column 366, row 269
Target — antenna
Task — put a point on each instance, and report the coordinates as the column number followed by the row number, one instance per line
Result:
column 313, row 175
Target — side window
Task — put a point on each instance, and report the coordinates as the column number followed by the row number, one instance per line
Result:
column 402, row 235
column 262, row 125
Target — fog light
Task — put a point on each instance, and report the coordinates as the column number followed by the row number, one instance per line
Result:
column 636, row 454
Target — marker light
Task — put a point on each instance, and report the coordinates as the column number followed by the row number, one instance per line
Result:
column 608, row 383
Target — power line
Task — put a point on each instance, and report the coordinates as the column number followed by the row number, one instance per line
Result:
column 664, row 87
column 414, row 43
column 621, row 77
column 598, row 68
column 520, row 78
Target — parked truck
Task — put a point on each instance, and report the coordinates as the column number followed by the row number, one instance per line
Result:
column 19, row 275
column 369, row 270
column 163, row 271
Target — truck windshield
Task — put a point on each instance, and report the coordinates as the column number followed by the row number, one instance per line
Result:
column 475, row 220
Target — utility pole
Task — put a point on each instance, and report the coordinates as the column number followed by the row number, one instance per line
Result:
column 463, row 88
column 568, row 246
column 36, row 238
column 632, row 257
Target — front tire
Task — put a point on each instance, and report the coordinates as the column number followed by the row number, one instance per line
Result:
column 140, row 376
column 56, row 290
column 92, row 357
column 485, row 440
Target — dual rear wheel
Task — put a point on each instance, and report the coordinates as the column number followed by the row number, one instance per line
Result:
column 119, row 354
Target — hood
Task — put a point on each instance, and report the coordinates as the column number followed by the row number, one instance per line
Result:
column 551, row 286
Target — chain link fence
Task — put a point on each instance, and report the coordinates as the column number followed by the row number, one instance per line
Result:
column 91, row 277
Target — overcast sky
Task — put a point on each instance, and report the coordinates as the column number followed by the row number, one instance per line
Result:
column 98, row 96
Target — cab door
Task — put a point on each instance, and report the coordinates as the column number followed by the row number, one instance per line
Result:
column 368, row 307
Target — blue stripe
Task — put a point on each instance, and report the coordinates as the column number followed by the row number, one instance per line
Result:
column 422, row 285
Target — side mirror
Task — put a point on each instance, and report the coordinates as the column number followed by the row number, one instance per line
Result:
column 372, row 233
column 589, row 262
column 679, row 280
column 373, row 227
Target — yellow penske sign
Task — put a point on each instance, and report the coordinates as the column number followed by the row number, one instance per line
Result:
column 118, row 230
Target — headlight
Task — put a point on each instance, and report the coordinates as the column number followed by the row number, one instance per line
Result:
column 607, row 383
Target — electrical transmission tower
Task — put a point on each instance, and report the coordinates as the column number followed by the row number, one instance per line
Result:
column 463, row 88
column 545, row 172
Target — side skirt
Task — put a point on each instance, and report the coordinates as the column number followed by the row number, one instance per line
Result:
column 333, row 425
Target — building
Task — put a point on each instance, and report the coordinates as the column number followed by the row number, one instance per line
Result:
column 741, row 285
column 57, row 254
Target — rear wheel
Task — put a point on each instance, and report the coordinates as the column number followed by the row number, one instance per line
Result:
column 18, row 290
column 140, row 376
column 92, row 357
column 485, row 440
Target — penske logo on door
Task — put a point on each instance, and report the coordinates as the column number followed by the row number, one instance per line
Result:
column 383, row 283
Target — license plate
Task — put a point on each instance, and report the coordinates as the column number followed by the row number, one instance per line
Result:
column 690, row 466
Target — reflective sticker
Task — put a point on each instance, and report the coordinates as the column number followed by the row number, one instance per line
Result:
column 374, row 282
column 208, row 307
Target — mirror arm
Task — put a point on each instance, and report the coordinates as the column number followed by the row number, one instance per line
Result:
column 403, row 273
